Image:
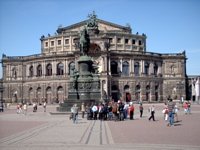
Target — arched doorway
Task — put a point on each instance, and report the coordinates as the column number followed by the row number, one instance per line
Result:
column 14, row 96
column 49, row 95
column 115, row 93
column 31, row 96
column 127, row 94
column 39, row 95
column 60, row 94
column 137, row 93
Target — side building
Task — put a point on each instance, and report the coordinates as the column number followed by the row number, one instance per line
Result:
column 127, row 70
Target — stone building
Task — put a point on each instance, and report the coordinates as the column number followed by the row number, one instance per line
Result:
column 127, row 70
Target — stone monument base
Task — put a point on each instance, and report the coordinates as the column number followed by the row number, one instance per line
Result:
column 66, row 106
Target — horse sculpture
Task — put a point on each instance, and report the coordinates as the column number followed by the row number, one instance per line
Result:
column 84, row 42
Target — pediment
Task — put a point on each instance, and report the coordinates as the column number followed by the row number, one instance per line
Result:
column 102, row 25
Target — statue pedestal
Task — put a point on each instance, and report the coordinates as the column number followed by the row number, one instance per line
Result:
column 84, row 87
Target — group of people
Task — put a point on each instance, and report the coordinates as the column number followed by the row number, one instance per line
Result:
column 108, row 111
column 23, row 108
column 125, row 110
column 171, row 111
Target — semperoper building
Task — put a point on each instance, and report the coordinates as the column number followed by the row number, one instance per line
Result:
column 127, row 70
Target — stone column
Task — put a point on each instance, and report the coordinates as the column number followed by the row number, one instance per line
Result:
column 142, row 66
column 66, row 68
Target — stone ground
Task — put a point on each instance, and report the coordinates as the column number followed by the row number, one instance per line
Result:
column 41, row 130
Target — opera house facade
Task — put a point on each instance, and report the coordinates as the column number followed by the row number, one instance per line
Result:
column 127, row 70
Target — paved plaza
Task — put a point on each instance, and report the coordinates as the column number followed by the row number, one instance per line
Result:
column 40, row 130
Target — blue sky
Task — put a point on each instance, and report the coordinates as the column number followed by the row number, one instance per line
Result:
column 171, row 26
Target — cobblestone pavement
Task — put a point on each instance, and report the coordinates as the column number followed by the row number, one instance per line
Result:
column 40, row 130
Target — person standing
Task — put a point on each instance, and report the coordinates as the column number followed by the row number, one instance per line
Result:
column 25, row 107
column 176, row 109
column 170, row 107
column 131, row 111
column 83, row 109
column 152, row 111
column 95, row 111
column 141, row 110
column 44, row 106
column 121, row 111
column 185, row 106
column 75, row 113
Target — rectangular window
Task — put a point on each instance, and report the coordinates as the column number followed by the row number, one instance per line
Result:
column 140, row 42
column 133, row 41
column 126, row 41
column 118, row 40
column 66, row 41
column 52, row 43
column 110, row 40
column 46, row 44
column 75, row 40
column 59, row 42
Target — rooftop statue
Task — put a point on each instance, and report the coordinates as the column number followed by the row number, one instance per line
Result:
column 92, row 22
column 84, row 42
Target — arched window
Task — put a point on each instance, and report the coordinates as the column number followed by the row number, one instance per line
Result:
column 155, row 68
column 60, row 69
column 125, row 68
column 114, row 67
column 127, row 94
column 136, row 68
column 71, row 68
column 146, row 68
column 49, row 97
column 39, row 70
column 31, row 71
column 49, row 70
column 60, row 94
column 39, row 95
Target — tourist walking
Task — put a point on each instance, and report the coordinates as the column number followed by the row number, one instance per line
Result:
column 152, row 112
column 1, row 107
column 18, row 109
column 44, row 106
column 131, row 111
column 83, row 110
column 121, row 111
column 185, row 107
column 141, row 108
column 34, row 107
column 189, row 107
column 126, row 106
column 115, row 111
column 74, row 110
column 176, row 109
column 170, row 107
column 25, row 107
column 165, row 112
column 95, row 111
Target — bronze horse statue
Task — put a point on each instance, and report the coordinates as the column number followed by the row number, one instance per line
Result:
column 84, row 42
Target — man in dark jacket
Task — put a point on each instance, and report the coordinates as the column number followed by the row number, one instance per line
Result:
column 170, row 107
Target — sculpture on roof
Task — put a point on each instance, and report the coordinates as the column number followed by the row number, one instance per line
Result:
column 92, row 22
